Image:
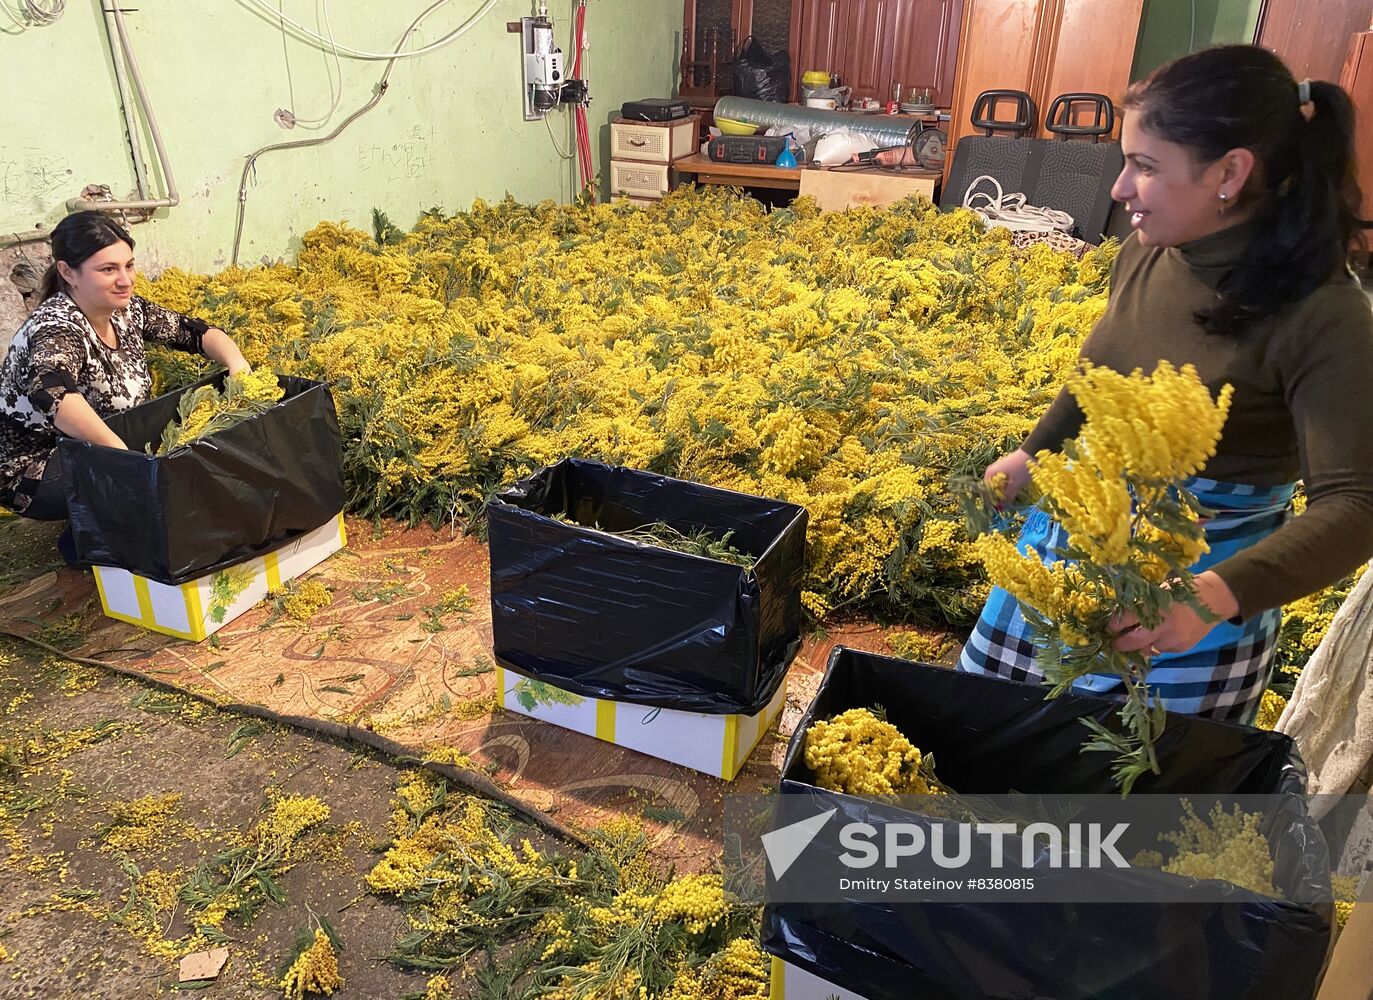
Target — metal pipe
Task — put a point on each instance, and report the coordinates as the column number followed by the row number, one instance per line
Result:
column 126, row 104
column 296, row 144
column 146, row 204
column 378, row 93
column 36, row 235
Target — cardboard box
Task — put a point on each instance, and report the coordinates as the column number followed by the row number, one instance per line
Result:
column 791, row 983
column 991, row 735
column 577, row 605
column 713, row 744
column 203, row 606
column 213, row 502
column 1349, row 976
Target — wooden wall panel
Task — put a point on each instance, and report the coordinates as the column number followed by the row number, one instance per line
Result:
column 1312, row 36
column 1092, row 51
column 996, row 52
column 1357, row 78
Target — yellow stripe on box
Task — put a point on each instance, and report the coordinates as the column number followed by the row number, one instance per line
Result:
column 194, row 612
column 500, row 686
column 728, row 767
column 273, row 572
column 605, row 720
column 342, row 532
column 145, row 601
column 778, row 989
column 177, row 633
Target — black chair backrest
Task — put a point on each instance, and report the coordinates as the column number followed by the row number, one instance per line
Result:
column 984, row 112
column 1073, row 177
column 1060, row 119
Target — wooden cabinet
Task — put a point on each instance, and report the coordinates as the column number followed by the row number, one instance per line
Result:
column 869, row 44
column 1043, row 47
column 820, row 35
column 1312, row 38
column 873, row 44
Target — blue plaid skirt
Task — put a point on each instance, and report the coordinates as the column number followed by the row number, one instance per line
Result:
column 1222, row 677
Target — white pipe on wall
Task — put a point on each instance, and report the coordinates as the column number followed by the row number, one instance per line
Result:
column 172, row 199
column 126, row 102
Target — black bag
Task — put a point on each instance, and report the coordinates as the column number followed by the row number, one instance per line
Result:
column 991, row 735
column 213, row 502
column 759, row 75
column 605, row 617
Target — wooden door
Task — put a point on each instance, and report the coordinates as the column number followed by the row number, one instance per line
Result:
column 1090, row 46
column 910, row 42
column 1312, row 37
column 871, row 31
column 1357, row 78
column 821, row 36
column 925, row 51
column 997, row 44
column 1044, row 47
column 872, row 44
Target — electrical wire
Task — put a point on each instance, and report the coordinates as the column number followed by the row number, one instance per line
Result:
column 377, row 95
column 35, row 14
column 39, row 13
column 562, row 153
column 306, row 34
column 585, row 163
column 335, row 95
column 1192, row 38
column 21, row 25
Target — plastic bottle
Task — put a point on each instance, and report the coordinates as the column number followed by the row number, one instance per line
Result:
column 786, row 158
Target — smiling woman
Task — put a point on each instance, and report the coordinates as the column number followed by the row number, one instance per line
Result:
column 1240, row 186
column 79, row 357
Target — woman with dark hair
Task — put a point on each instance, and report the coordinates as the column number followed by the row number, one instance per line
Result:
column 1241, row 191
column 79, row 357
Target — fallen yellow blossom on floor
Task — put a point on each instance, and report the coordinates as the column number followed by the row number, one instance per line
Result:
column 306, row 599
column 314, row 971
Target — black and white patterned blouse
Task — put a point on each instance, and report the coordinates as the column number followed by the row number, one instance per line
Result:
column 57, row 351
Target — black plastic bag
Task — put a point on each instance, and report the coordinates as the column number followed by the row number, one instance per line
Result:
column 759, row 75
column 213, row 502
column 609, row 618
column 990, row 735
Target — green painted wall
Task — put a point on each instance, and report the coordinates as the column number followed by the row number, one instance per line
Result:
column 449, row 129
column 1166, row 29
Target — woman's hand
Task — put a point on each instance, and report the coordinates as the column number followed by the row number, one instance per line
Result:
column 1181, row 628
column 1016, row 468
column 219, row 346
column 75, row 418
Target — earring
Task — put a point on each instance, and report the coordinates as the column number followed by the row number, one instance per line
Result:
column 1224, row 198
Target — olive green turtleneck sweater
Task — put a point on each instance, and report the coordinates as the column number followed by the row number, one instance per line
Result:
column 1302, row 409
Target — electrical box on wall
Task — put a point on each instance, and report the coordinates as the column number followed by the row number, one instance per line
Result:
column 542, row 68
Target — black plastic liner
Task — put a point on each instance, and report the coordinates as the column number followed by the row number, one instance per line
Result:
column 213, row 502
column 609, row 618
column 991, row 736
